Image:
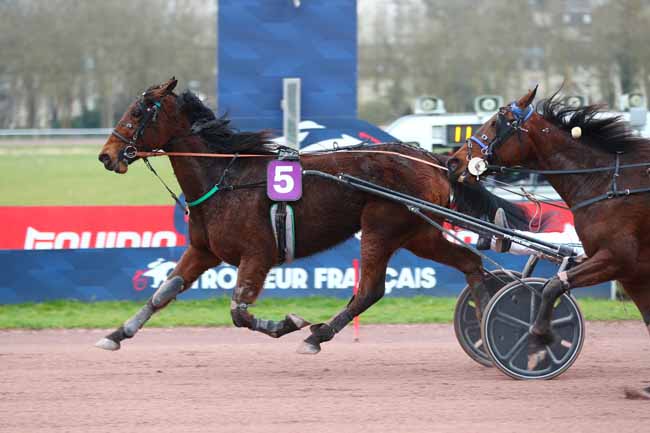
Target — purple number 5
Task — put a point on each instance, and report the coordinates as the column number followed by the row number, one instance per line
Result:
column 284, row 180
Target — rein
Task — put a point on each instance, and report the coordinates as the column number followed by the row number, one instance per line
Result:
column 315, row 153
column 150, row 114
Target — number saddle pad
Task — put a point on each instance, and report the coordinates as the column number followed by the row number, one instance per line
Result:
column 284, row 183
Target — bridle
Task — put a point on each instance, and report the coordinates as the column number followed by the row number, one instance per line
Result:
column 504, row 130
column 130, row 152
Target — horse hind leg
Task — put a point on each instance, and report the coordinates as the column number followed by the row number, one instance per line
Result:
column 250, row 282
column 193, row 263
column 242, row 318
column 376, row 249
column 432, row 245
column 322, row 332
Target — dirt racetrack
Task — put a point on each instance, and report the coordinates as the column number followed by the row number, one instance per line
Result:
column 398, row 379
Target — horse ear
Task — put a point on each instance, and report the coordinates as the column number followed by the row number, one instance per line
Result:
column 169, row 86
column 528, row 98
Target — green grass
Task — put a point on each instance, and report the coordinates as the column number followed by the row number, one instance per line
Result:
column 75, row 177
column 215, row 312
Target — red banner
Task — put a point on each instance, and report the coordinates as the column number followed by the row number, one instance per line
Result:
column 71, row 227
column 63, row 227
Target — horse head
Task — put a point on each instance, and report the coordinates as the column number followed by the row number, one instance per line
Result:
column 148, row 124
column 503, row 139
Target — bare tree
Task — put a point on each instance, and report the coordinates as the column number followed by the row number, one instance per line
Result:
column 65, row 54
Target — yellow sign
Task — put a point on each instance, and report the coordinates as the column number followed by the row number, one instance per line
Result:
column 460, row 133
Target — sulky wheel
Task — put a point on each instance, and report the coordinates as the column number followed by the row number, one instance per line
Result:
column 467, row 326
column 508, row 319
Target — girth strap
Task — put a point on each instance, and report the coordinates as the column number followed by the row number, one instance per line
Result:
column 282, row 223
column 611, row 194
column 280, row 230
column 613, row 191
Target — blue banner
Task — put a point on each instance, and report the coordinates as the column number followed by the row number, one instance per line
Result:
column 260, row 42
column 134, row 274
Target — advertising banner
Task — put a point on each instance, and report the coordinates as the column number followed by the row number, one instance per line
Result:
column 90, row 227
column 83, row 227
column 135, row 273
column 126, row 252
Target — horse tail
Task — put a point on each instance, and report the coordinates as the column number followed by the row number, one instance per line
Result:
column 475, row 200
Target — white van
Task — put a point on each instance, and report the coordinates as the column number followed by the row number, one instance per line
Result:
column 437, row 132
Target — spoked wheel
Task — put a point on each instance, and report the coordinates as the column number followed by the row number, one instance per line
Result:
column 508, row 319
column 466, row 325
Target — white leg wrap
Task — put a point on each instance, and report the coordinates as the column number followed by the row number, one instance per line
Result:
column 167, row 291
column 136, row 322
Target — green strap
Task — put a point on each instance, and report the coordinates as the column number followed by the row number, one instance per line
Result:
column 204, row 197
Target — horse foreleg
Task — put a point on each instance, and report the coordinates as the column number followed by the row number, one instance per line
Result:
column 638, row 291
column 596, row 269
column 250, row 281
column 191, row 265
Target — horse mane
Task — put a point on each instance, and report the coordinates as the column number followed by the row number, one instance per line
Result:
column 217, row 132
column 608, row 133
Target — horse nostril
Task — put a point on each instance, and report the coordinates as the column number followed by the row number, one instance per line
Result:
column 105, row 159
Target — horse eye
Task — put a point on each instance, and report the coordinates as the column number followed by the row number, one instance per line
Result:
column 493, row 124
column 137, row 112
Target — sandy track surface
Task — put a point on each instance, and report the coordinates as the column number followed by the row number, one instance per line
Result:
column 397, row 379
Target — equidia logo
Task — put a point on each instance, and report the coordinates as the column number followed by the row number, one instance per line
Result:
column 37, row 240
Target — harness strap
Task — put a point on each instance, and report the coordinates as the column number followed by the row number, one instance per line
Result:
column 204, row 197
column 519, row 113
column 521, row 116
column 281, row 230
column 174, row 196
column 611, row 194
column 502, row 169
column 484, row 147
column 216, row 187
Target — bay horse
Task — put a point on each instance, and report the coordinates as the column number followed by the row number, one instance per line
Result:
column 586, row 156
column 233, row 224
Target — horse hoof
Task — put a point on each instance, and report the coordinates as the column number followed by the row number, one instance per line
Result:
column 308, row 348
column 534, row 359
column 637, row 394
column 298, row 321
column 107, row 344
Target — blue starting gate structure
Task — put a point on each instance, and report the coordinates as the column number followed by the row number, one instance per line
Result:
column 262, row 42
